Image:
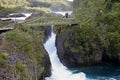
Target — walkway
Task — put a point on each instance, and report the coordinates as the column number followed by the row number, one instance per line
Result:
column 48, row 21
column 41, row 21
column 10, row 26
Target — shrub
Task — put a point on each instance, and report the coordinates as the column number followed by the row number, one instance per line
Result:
column 3, row 58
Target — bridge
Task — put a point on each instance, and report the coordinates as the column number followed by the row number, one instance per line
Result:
column 8, row 27
column 48, row 21
column 40, row 21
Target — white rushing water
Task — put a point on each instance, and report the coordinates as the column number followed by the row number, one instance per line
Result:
column 17, row 19
column 59, row 71
column 63, row 12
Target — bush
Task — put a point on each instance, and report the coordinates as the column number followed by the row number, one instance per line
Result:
column 3, row 58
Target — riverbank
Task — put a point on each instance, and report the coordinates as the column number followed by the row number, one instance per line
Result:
column 77, row 47
column 81, row 50
column 22, row 55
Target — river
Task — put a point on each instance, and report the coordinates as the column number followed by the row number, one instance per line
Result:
column 63, row 12
column 19, row 19
column 60, row 72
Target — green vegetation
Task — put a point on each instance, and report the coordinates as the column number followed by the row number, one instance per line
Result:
column 27, row 40
column 4, row 23
column 13, row 3
column 38, row 9
column 98, row 30
column 20, row 41
column 49, row 2
column 3, row 58
column 25, row 57
column 49, row 20
column 22, row 72
column 25, row 44
column 36, row 5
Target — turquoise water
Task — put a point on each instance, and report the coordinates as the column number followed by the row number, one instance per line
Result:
column 61, row 72
column 99, row 72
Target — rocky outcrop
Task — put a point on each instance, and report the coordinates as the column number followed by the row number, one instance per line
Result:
column 47, row 70
column 22, row 55
column 47, row 33
column 47, row 63
column 68, row 58
column 78, row 50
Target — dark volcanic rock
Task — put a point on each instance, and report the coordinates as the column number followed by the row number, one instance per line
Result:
column 47, row 65
column 47, row 33
column 71, row 59
column 47, row 71
column 77, row 52
column 31, row 63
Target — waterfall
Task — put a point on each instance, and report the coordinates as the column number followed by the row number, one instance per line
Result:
column 59, row 71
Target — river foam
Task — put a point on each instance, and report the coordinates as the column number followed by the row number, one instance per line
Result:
column 59, row 71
